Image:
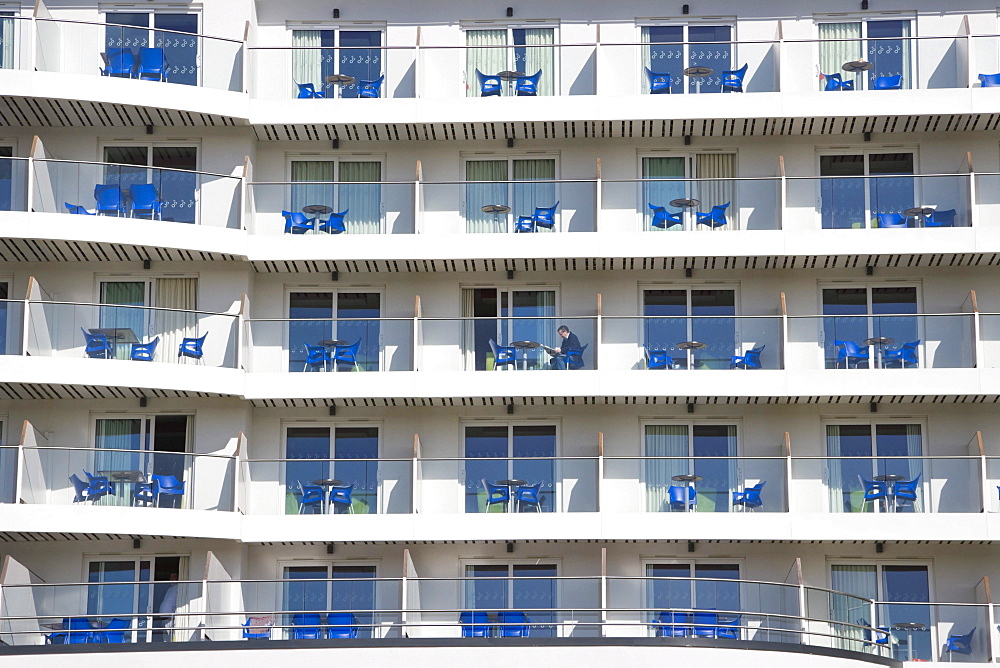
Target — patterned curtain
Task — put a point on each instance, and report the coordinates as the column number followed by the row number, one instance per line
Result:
column 663, row 440
column 486, row 60
column 360, row 193
column 487, row 185
column 173, row 326
column 716, row 193
column 833, row 54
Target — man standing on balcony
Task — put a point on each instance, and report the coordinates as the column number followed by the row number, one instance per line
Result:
column 570, row 342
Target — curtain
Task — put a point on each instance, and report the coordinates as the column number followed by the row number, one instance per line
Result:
column 833, row 54
column 319, row 187
column 487, row 184
column 124, row 293
column 360, row 194
column 663, row 440
column 859, row 581
column 536, row 192
column 469, row 330
column 835, row 478
column 540, row 55
column 124, row 436
column 717, row 193
column 486, row 60
column 662, row 183
column 527, row 311
column 307, row 62
column 916, row 467
column 173, row 326
column 6, row 41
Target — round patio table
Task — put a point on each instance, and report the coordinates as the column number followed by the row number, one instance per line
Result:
column 525, row 346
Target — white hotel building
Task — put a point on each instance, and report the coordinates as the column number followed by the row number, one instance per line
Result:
column 280, row 372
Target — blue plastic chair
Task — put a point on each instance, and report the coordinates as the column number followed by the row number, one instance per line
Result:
column 489, row 85
column 527, row 496
column 989, row 80
column 79, row 630
column 192, row 347
column 728, row 627
column 874, row 490
column 496, row 494
column 527, row 86
column 317, row 358
column 891, row 220
column 98, row 485
column 663, row 218
column 310, row 496
column 77, row 209
column 86, row 491
column 109, row 200
column 704, row 624
column 882, row 633
column 524, row 224
column 298, row 223
column 334, row 224
column 545, row 216
column 748, row 360
column 904, row 492
column 345, row 356
column 906, row 354
column 258, row 628
column 475, row 624
column 659, row 82
column 672, row 624
column 715, row 218
column 114, row 632
column 144, row 493
column 98, row 346
column 941, row 218
column 959, row 644
column 307, row 90
column 167, row 484
column 121, row 63
column 152, row 64
column 888, row 83
column 145, row 201
column 144, row 352
column 732, row 80
column 849, row 350
column 574, row 358
column 835, row 82
column 682, row 498
column 305, row 626
column 371, row 88
column 749, row 498
column 658, row 359
column 341, row 625
column 340, row 496
column 513, row 624
column 503, row 356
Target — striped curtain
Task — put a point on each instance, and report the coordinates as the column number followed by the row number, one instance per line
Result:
column 318, row 188
column 833, row 54
column 534, row 193
column 6, row 41
column 123, row 435
column 717, row 193
column 663, row 440
column 173, row 326
column 124, row 293
column 859, row 581
column 540, row 55
column 487, row 185
column 662, row 183
column 486, row 60
column 359, row 193
column 306, row 62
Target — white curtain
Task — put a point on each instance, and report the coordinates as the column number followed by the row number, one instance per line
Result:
column 487, row 60
column 540, row 55
column 469, row 329
column 663, row 182
column 360, row 194
column 860, row 581
column 307, row 62
column 318, row 188
column 535, row 193
column 173, row 326
column 833, row 54
column 835, row 481
column 717, row 193
column 124, row 293
column 118, row 434
column 914, row 449
column 663, row 440
column 487, row 185
column 6, row 41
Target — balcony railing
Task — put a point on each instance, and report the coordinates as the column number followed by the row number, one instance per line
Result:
column 329, row 486
column 13, row 182
column 279, row 71
column 127, row 478
column 381, row 207
column 135, row 192
column 331, row 344
column 11, row 327
column 8, row 473
column 62, row 329
column 920, row 631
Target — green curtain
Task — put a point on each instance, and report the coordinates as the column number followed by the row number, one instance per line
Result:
column 306, row 62
column 360, row 194
column 663, row 440
column 662, row 182
column 319, row 187
column 540, row 55
column 487, row 184
column 833, row 54
column 716, row 193
column 172, row 326
column 859, row 581
column 486, row 60
column 124, row 293
column 124, row 435
column 539, row 191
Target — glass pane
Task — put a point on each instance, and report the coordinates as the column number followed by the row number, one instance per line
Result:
column 485, row 450
column 849, row 440
column 850, row 305
column 363, row 64
column 125, row 32
column 6, row 175
column 525, row 308
column 717, row 475
column 179, row 51
column 711, row 595
column 314, row 311
column 908, row 584
column 362, row 309
column 538, row 192
column 891, row 195
column 842, row 199
column 491, row 190
column 305, row 443
column 718, row 332
column 535, row 588
column 665, row 323
column 667, row 594
column 859, row 581
column 176, row 189
column 350, row 591
column 899, row 440
column 896, row 300
column 716, row 54
column 890, row 57
column 486, row 594
column 536, row 441
column 662, row 183
column 481, row 303
column 130, row 323
column 665, row 53
column 309, row 594
column 358, row 443
column 112, row 599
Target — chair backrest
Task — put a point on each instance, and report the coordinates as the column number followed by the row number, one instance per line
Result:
column 887, row 220
column 488, row 84
column 989, row 80
column 144, row 195
column 258, row 627
column 495, row 493
column 168, row 484
column 961, row 644
column 941, row 218
column 545, row 215
column 889, row 83
column 96, row 343
column 833, row 81
column 528, row 85
column 475, row 623
column 849, row 348
column 514, row 623
column 335, row 224
column 307, row 90
column 529, row 493
column 342, row 625
column 315, row 354
column 297, row 222
column 347, row 354
column 752, row 357
column 873, row 489
column 907, row 487
column 120, row 61
column 191, row 346
column 144, row 352
column 502, row 354
column 341, row 494
column 679, row 495
column 77, row 209
column 734, row 78
column 305, row 619
column 574, row 357
column 79, row 486
column 150, row 60
column 659, row 82
column 718, row 214
column 371, row 88
column 108, row 197
column 657, row 359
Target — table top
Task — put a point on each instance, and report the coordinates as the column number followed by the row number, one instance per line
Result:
column 692, row 345
column 320, row 209
column 124, row 476
column 909, row 626
column 919, row 211
column 684, row 202
column 526, row 344
column 495, row 208
column 889, row 477
column 327, row 482
column 119, row 334
column 326, row 343
column 857, row 66
column 686, row 477
column 698, row 71
column 879, row 341
column 509, row 75
column 340, row 79
column 512, row 483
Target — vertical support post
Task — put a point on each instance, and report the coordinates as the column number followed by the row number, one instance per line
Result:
column 599, row 493
column 415, row 476
column 418, row 70
column 404, row 595
column 603, row 615
column 418, row 213
column 599, row 333
column 971, row 192
column 783, row 195
column 598, row 196
column 784, row 331
column 415, row 335
column 984, row 491
column 789, row 479
column 977, row 331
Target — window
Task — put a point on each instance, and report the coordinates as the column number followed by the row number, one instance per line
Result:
column 354, row 462
column 522, row 587
column 705, row 450
column 675, row 315
column 335, row 316
column 672, row 49
column 871, row 443
column 132, row 30
column 320, row 53
column 8, row 325
column 7, row 176
column 509, row 452
column 8, row 467
column 136, row 447
column 178, row 295
column 519, row 183
column 139, row 586
column 676, row 587
column 849, row 200
column 169, row 168
column 885, row 44
column 344, row 185
column 8, row 27
column 328, row 588
column 505, row 316
column 527, row 50
column 666, row 178
column 849, row 317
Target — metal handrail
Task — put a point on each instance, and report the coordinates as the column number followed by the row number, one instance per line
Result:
column 119, row 164
column 147, row 308
column 115, row 25
column 124, row 452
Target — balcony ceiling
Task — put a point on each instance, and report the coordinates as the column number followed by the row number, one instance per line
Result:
column 51, row 250
column 45, row 391
column 54, row 112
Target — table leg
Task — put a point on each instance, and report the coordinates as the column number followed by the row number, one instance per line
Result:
column 909, row 645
